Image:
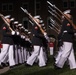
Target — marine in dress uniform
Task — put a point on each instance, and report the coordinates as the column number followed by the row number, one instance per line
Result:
column 37, row 45
column 66, row 49
column 7, row 43
column 16, row 39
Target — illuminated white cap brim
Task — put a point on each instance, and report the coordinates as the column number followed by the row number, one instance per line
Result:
column 67, row 11
column 8, row 16
column 38, row 16
column 19, row 24
column 12, row 19
column 16, row 22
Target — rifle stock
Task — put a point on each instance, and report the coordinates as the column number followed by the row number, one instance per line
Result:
column 35, row 21
column 74, row 26
column 6, row 22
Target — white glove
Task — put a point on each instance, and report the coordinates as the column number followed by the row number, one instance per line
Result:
column 27, row 39
column 74, row 34
column 45, row 34
column 23, row 37
column 65, row 31
column 17, row 33
column 47, row 38
column 13, row 32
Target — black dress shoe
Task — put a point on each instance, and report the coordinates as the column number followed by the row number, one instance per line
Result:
column 12, row 66
column 7, row 63
column 27, row 65
column 54, row 58
column 56, row 67
column 4, row 64
column 1, row 67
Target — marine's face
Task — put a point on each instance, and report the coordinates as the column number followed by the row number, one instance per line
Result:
column 38, row 20
column 8, row 20
column 69, row 16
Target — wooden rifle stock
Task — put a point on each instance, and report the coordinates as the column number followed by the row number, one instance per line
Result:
column 33, row 19
column 6, row 22
column 74, row 26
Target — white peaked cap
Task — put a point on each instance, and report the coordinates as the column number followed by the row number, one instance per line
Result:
column 20, row 24
column 29, row 32
column 16, row 22
column 22, row 27
column 8, row 16
column 38, row 16
column 12, row 19
column 42, row 24
column 26, row 30
column 67, row 11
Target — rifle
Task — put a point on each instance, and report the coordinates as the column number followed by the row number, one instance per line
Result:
column 53, row 29
column 55, row 23
column 54, row 11
column 6, row 22
column 35, row 21
column 62, row 14
column 54, row 16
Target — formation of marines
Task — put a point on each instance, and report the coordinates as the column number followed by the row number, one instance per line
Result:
column 20, row 46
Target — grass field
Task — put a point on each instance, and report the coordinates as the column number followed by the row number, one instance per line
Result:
column 36, row 70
